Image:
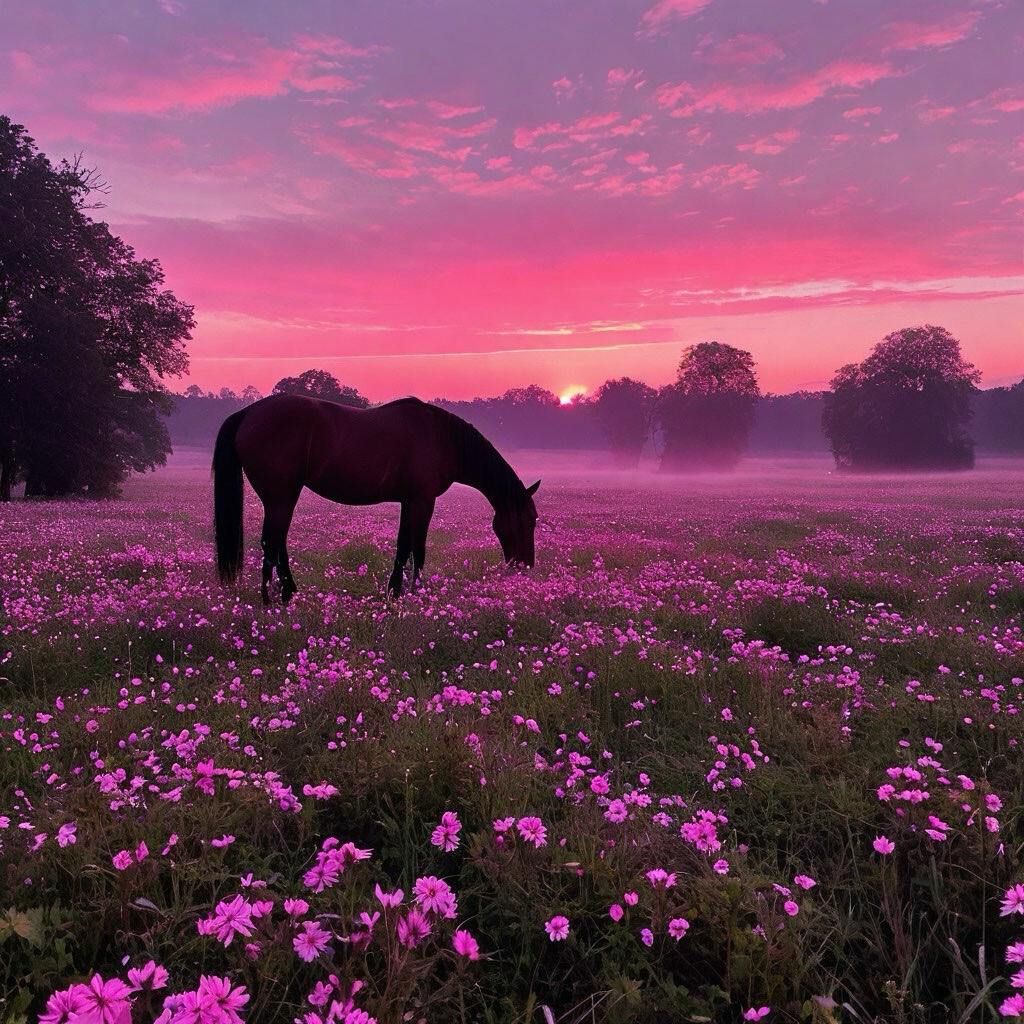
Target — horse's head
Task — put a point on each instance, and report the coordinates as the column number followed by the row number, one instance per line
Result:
column 514, row 525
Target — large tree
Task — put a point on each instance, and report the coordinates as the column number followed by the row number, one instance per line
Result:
column 623, row 408
column 706, row 415
column 321, row 384
column 87, row 334
column 906, row 406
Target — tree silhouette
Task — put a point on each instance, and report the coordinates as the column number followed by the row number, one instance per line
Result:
column 707, row 414
column 87, row 334
column 623, row 408
column 906, row 406
column 321, row 384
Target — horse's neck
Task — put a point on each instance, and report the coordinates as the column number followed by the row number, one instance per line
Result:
column 482, row 468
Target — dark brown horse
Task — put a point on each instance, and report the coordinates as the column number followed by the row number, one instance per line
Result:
column 406, row 451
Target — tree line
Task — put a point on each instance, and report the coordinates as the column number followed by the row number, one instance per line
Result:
column 913, row 403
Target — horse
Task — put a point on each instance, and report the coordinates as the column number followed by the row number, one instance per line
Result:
column 406, row 451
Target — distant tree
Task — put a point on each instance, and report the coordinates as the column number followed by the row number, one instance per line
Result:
column 624, row 408
column 87, row 334
column 906, row 406
column 250, row 394
column 533, row 394
column 321, row 384
column 707, row 414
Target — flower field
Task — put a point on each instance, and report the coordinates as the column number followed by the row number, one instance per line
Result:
column 734, row 750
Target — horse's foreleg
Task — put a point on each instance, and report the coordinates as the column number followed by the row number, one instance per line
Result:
column 284, row 574
column 402, row 552
column 421, row 524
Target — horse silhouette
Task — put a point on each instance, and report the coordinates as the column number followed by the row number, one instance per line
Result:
column 406, row 451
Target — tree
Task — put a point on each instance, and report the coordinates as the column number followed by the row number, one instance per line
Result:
column 321, row 384
column 250, row 394
column 624, row 407
column 87, row 334
column 906, row 406
column 707, row 414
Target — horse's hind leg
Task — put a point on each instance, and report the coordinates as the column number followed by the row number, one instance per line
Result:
column 277, row 517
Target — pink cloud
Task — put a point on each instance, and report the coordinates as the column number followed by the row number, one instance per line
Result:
column 727, row 175
column 684, row 99
column 619, row 78
column 920, row 35
column 859, row 113
column 217, row 77
column 770, row 145
column 743, row 50
column 655, row 18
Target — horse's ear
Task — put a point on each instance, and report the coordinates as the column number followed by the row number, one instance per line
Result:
column 532, row 489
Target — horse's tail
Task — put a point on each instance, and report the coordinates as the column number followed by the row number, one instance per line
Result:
column 227, row 499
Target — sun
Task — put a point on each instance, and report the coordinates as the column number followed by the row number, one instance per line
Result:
column 570, row 394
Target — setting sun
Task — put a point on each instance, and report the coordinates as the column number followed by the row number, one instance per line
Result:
column 570, row 394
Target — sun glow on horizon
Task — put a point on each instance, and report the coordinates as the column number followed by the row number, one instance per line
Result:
column 571, row 394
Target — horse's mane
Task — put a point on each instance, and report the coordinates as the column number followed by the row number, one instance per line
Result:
column 484, row 465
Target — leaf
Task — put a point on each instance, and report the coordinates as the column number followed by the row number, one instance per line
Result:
column 143, row 904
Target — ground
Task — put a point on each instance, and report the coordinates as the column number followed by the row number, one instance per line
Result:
column 736, row 746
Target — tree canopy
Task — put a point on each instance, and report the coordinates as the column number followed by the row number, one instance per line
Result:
column 321, row 384
column 907, row 406
column 707, row 414
column 623, row 408
column 87, row 334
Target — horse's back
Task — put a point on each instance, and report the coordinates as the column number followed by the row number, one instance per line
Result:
column 354, row 456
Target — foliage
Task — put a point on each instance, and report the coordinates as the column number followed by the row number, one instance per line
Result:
column 624, row 408
column 706, row 416
column 905, row 407
column 321, row 384
column 87, row 334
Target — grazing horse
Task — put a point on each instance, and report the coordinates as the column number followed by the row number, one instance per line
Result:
column 406, row 451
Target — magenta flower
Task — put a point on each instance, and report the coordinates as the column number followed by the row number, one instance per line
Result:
column 804, row 881
column 756, row 1013
column 678, row 927
column 104, row 1002
column 311, row 941
column 883, row 845
column 1013, row 901
column 1012, row 1007
column 533, row 831
column 615, row 912
column 446, row 835
column 221, row 1001
column 149, row 976
column 64, row 1006
column 557, row 928
column 230, row 917
column 647, row 936
column 66, row 834
column 413, row 928
column 122, row 860
column 435, row 896
column 465, row 945
column 792, row 908
column 388, row 899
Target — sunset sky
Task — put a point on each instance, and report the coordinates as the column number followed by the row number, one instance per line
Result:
column 458, row 196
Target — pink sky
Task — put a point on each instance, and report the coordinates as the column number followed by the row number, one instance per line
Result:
column 456, row 197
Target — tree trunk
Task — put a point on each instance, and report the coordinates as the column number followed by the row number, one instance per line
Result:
column 6, row 477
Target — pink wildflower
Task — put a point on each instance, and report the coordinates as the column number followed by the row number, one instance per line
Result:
column 446, row 835
column 883, row 845
column 122, row 860
column 557, row 928
column 311, row 941
column 1013, row 901
column 533, row 831
column 465, row 945
column 678, row 927
column 221, row 1000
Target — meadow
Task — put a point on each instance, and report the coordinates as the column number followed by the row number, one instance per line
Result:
column 736, row 749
